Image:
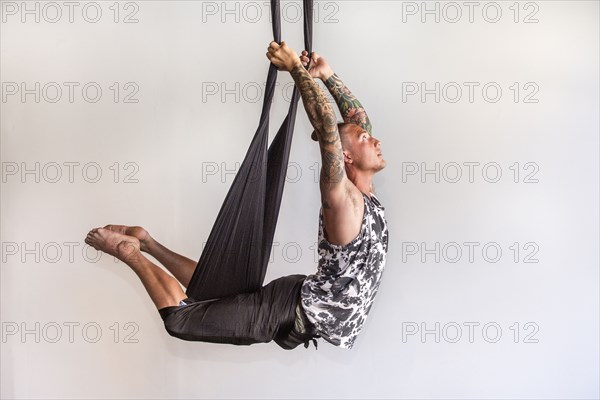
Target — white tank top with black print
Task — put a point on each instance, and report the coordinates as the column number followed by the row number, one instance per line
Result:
column 339, row 296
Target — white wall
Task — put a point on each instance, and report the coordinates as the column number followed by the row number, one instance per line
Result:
column 177, row 129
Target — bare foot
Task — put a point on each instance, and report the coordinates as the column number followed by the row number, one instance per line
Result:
column 124, row 247
column 136, row 231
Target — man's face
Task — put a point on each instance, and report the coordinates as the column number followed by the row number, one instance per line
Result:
column 365, row 150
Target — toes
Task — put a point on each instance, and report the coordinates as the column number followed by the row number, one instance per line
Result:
column 91, row 243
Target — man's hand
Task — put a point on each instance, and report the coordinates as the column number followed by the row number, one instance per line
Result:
column 282, row 56
column 319, row 67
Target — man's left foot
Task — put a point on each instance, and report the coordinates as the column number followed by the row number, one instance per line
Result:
column 124, row 247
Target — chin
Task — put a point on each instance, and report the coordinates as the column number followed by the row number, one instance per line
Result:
column 382, row 165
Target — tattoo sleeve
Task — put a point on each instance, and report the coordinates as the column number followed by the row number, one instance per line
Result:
column 323, row 119
column 350, row 108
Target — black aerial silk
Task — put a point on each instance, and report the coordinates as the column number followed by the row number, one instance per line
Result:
column 237, row 252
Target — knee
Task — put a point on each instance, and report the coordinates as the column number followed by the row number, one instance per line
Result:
column 177, row 323
column 172, row 324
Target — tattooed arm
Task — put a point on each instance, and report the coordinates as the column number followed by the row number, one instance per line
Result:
column 342, row 202
column 322, row 117
column 351, row 109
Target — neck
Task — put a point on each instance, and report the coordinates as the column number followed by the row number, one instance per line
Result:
column 363, row 182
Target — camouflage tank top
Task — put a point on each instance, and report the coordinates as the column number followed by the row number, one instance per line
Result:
column 338, row 297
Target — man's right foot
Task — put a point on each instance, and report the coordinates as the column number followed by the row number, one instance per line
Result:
column 136, row 231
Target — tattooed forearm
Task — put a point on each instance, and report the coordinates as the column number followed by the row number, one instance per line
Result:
column 320, row 113
column 350, row 108
column 322, row 117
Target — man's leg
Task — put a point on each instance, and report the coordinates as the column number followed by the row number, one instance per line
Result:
column 163, row 289
column 180, row 266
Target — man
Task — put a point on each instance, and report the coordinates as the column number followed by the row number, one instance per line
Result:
column 334, row 302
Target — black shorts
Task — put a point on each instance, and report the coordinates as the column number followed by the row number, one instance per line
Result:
column 273, row 312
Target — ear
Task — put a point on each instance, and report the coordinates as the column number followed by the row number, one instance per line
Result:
column 347, row 157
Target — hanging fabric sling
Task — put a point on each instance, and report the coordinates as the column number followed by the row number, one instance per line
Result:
column 237, row 252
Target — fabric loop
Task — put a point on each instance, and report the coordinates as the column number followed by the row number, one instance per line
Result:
column 236, row 255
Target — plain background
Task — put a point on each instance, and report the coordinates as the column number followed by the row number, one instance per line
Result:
column 167, row 160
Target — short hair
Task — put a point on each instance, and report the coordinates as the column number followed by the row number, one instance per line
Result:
column 345, row 129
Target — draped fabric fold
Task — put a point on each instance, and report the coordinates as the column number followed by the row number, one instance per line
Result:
column 236, row 255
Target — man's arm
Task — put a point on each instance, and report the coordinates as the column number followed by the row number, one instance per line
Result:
column 350, row 108
column 323, row 119
column 341, row 200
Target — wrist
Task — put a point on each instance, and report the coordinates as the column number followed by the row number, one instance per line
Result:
column 326, row 75
column 296, row 62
